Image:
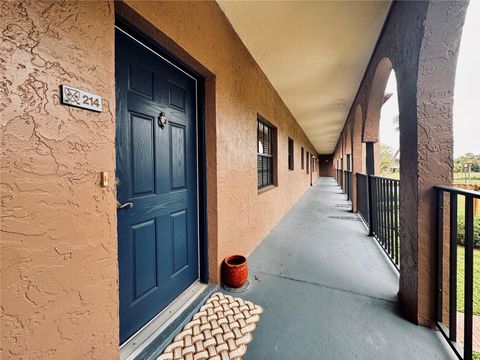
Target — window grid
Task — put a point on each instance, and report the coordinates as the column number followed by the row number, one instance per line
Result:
column 303, row 158
column 264, row 154
column 308, row 162
column 291, row 160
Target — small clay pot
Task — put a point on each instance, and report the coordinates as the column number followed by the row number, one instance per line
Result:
column 235, row 271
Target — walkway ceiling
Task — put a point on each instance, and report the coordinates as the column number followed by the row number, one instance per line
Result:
column 314, row 53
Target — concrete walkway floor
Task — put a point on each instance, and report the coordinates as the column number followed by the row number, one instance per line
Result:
column 327, row 290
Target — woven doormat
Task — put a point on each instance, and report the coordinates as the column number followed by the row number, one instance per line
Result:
column 220, row 330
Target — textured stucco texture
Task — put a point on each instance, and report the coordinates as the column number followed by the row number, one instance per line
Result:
column 59, row 246
column 420, row 42
column 241, row 91
column 59, row 276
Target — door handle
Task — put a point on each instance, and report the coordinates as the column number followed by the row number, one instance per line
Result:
column 127, row 205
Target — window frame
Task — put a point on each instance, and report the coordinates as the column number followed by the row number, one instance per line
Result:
column 272, row 142
column 291, row 154
column 308, row 163
column 302, row 156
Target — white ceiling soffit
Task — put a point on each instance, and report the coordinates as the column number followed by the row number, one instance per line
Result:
column 315, row 54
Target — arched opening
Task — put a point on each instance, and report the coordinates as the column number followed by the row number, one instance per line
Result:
column 343, row 162
column 381, row 136
column 358, row 159
column 466, row 176
column 389, row 131
column 466, row 124
column 371, row 126
column 376, row 100
column 347, row 162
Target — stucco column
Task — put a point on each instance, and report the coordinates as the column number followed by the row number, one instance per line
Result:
column 354, row 184
column 370, row 158
column 370, row 168
column 357, row 149
column 426, row 142
column 378, row 155
column 344, row 163
column 341, row 173
column 356, row 168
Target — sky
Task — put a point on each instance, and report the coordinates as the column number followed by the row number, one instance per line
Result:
column 466, row 114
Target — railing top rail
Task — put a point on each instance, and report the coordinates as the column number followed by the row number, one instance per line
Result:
column 383, row 177
column 455, row 190
column 360, row 173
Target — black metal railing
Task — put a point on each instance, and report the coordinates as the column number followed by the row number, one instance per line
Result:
column 449, row 216
column 384, row 219
column 348, row 184
column 362, row 197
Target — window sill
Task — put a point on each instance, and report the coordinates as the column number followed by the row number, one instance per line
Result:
column 266, row 188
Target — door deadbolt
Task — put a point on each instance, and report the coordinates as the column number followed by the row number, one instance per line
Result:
column 162, row 120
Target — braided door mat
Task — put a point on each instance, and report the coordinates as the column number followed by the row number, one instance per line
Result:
column 220, row 330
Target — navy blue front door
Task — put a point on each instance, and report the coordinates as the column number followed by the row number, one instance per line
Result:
column 156, row 182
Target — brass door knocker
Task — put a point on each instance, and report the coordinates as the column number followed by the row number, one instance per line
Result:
column 162, row 120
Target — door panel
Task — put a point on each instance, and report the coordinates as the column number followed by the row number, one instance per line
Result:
column 177, row 157
column 179, row 240
column 145, row 261
column 143, row 154
column 157, row 173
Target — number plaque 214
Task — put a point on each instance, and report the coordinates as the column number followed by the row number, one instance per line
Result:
column 82, row 99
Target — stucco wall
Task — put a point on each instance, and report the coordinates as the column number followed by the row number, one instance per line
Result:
column 241, row 91
column 59, row 287
column 59, row 247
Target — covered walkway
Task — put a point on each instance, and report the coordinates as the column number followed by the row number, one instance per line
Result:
column 328, row 291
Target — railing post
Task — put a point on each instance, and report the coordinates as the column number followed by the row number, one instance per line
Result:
column 450, row 331
column 370, row 171
column 439, row 247
column 468, row 318
column 452, row 313
column 370, row 207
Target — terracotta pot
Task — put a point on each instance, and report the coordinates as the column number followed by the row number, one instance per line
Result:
column 235, row 271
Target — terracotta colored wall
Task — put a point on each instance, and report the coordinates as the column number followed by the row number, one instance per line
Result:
column 58, row 244
column 59, row 286
column 241, row 91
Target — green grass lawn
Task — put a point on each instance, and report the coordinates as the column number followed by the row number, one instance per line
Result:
column 392, row 175
column 461, row 282
column 460, row 178
column 461, row 206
